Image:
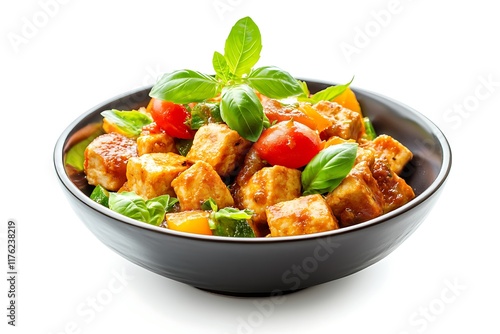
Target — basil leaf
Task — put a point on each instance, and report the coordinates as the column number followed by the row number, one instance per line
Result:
column 220, row 66
column 75, row 156
column 328, row 168
column 185, row 86
column 274, row 82
column 329, row 93
column 157, row 208
column 150, row 211
column 100, row 195
column 231, row 222
column 129, row 122
column 242, row 111
column 243, row 46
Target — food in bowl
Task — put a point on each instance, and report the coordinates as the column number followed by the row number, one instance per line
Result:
column 248, row 152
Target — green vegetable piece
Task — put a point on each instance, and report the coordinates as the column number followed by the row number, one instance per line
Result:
column 243, row 46
column 274, row 82
column 242, row 111
column 330, row 93
column 75, row 155
column 204, row 113
column 328, row 168
column 370, row 133
column 129, row 122
column 228, row 222
column 231, row 222
column 150, row 211
column 183, row 146
column 100, row 195
column 185, row 86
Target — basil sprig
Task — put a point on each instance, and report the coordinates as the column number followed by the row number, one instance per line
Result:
column 236, row 78
column 328, row 168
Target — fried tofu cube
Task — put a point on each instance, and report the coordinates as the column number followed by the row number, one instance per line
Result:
column 396, row 153
column 357, row 198
column 347, row 124
column 269, row 186
column 155, row 143
column 395, row 190
column 199, row 183
column 223, row 148
column 106, row 160
column 303, row 215
column 151, row 175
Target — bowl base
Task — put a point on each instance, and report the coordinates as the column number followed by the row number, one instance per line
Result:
column 249, row 294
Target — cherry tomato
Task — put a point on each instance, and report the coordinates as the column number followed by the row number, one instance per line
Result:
column 171, row 117
column 288, row 143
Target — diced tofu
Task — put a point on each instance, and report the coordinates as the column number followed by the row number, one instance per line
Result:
column 155, row 143
column 199, row 183
column 303, row 215
column 357, row 198
column 224, row 149
column 266, row 187
column 395, row 190
column 106, row 160
column 150, row 175
column 396, row 153
column 347, row 124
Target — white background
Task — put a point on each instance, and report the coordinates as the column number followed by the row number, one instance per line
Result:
column 60, row 58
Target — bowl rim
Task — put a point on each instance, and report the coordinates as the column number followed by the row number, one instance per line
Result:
column 439, row 181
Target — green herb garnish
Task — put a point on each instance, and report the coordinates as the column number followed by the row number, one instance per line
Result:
column 236, row 79
column 229, row 222
column 328, row 168
column 129, row 122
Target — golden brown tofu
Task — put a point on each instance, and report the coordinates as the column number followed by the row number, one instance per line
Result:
column 395, row 190
column 199, row 183
column 266, row 187
column 155, row 143
column 347, row 124
column 150, row 175
column 224, row 149
column 106, row 160
column 303, row 215
column 357, row 198
column 389, row 148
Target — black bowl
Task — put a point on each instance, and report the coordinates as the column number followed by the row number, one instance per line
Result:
column 267, row 266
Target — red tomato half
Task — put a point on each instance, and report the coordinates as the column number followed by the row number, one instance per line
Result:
column 171, row 117
column 288, row 143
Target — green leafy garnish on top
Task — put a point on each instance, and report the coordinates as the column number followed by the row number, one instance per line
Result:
column 236, row 79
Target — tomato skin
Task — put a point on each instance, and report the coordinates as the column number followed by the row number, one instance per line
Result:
column 171, row 118
column 289, row 144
